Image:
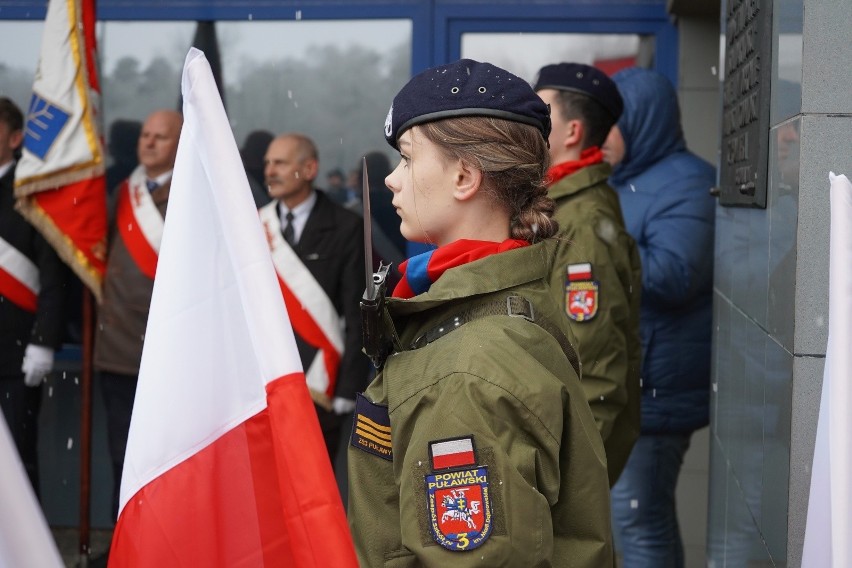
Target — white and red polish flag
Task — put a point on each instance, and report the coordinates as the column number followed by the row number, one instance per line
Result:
column 225, row 464
column 452, row 453
column 829, row 520
column 581, row 271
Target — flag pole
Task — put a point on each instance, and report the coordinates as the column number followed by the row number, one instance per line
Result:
column 86, row 426
column 87, row 355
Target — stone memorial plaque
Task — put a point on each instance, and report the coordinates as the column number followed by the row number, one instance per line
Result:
column 746, row 102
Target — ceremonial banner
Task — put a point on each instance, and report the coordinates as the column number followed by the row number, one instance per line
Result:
column 59, row 181
column 829, row 522
column 225, row 464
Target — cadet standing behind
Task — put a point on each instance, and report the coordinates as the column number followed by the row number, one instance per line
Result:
column 474, row 446
column 137, row 213
column 597, row 277
column 32, row 301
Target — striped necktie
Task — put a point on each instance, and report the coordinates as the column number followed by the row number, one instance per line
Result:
column 289, row 233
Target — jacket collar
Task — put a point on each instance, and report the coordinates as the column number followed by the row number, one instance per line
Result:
column 580, row 180
column 321, row 217
column 490, row 274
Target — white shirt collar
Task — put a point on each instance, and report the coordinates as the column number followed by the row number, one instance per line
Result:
column 6, row 167
column 301, row 212
column 161, row 179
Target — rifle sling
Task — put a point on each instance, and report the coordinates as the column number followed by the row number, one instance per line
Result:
column 512, row 306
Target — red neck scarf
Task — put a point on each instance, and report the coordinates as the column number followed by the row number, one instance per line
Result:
column 421, row 271
column 588, row 157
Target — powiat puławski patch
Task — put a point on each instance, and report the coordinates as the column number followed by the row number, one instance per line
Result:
column 458, row 499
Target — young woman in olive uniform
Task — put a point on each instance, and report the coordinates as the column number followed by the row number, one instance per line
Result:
column 474, row 445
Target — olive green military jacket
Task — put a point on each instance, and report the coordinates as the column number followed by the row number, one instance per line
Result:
column 598, row 282
column 478, row 448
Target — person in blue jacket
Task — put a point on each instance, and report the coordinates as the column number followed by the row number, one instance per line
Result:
column 665, row 196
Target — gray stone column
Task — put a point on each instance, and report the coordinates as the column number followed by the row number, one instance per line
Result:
column 771, row 297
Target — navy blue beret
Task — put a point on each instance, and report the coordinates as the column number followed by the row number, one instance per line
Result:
column 583, row 79
column 465, row 88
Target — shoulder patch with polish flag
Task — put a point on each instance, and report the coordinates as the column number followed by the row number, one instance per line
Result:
column 455, row 452
column 582, row 294
column 458, row 499
column 371, row 432
column 581, row 271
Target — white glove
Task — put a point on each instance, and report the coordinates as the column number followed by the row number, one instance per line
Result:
column 38, row 362
column 342, row 405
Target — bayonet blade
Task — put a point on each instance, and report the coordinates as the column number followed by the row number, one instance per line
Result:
column 370, row 292
column 376, row 345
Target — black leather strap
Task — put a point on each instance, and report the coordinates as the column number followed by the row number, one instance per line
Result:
column 512, row 306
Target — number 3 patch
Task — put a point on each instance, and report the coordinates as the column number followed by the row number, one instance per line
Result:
column 459, row 503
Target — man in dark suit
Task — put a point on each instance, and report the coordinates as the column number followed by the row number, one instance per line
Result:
column 32, row 301
column 318, row 251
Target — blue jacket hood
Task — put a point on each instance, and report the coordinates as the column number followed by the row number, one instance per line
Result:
column 650, row 123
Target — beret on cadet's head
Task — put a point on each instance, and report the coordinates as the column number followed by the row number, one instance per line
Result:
column 583, row 79
column 465, row 88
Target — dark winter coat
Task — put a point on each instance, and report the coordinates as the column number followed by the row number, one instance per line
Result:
column 664, row 192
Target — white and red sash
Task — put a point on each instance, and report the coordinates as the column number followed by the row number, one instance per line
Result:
column 312, row 313
column 19, row 282
column 139, row 222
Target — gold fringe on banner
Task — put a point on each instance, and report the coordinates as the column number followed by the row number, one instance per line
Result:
column 64, row 246
column 55, row 180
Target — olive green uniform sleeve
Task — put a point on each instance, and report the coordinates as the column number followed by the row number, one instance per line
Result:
column 535, row 442
column 520, row 453
column 601, row 340
column 520, row 457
